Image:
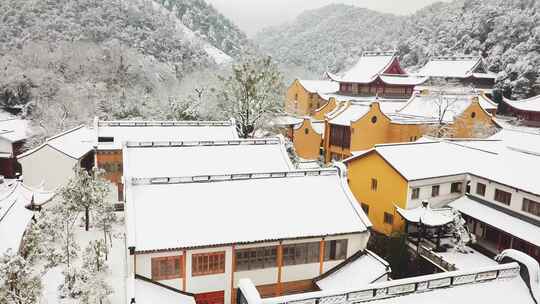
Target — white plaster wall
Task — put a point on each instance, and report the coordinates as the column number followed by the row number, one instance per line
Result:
column 6, row 146
column 49, row 166
column 516, row 202
column 445, row 195
column 218, row 282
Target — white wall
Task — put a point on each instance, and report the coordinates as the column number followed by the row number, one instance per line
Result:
column 516, row 202
column 49, row 166
column 6, row 146
column 218, row 282
column 445, row 195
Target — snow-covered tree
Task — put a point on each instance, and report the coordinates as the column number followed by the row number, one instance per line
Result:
column 18, row 283
column 252, row 94
column 94, row 256
column 85, row 191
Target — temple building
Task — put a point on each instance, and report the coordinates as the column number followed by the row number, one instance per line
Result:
column 527, row 110
column 492, row 182
column 376, row 74
column 463, row 70
column 110, row 136
column 233, row 226
column 303, row 96
column 355, row 125
column 13, row 134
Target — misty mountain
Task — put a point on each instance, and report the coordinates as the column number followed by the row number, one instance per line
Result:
column 505, row 33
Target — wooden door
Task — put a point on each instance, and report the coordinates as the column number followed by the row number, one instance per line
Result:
column 215, row 297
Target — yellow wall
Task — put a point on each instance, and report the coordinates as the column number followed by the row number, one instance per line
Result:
column 406, row 133
column 328, row 107
column 391, row 190
column 307, row 145
column 365, row 134
column 299, row 101
column 464, row 125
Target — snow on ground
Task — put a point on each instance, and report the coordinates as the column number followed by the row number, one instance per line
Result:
column 117, row 272
column 465, row 261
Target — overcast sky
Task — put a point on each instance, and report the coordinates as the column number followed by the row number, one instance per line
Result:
column 253, row 15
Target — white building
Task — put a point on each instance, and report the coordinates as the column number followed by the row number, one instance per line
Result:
column 494, row 183
column 15, row 215
column 51, row 164
column 110, row 136
column 203, row 234
column 13, row 134
column 515, row 280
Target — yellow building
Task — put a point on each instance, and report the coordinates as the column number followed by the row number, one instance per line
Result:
column 303, row 97
column 358, row 126
column 308, row 138
column 404, row 175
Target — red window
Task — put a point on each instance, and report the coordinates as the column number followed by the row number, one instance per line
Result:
column 208, row 263
column 167, row 268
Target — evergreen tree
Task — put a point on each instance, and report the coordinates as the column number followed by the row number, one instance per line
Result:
column 252, row 94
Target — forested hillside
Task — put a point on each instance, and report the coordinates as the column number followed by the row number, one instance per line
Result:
column 65, row 61
column 506, row 33
column 205, row 20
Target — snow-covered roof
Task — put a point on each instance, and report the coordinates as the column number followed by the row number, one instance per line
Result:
column 351, row 114
column 122, row 131
column 360, row 270
column 14, row 129
column 499, row 284
column 286, row 120
column 318, row 126
column 518, row 139
column 454, row 67
column 319, row 86
column 466, row 259
column 510, row 224
column 14, row 216
column 425, row 215
column 146, row 291
column 490, row 159
column 531, row 104
column 434, row 105
column 75, row 143
column 402, row 79
column 205, row 158
column 262, row 206
column 367, row 69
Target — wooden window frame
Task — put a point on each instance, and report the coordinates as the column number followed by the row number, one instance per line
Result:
column 374, row 184
column 526, row 206
column 301, row 253
column 437, row 192
column 330, row 252
column 456, row 187
column 415, row 193
column 365, row 208
column 251, row 258
column 156, row 272
column 500, row 195
column 483, row 187
column 388, row 216
column 201, row 263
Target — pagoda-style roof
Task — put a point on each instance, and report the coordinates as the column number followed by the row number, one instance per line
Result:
column 456, row 67
column 427, row 216
column 373, row 66
column 529, row 105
